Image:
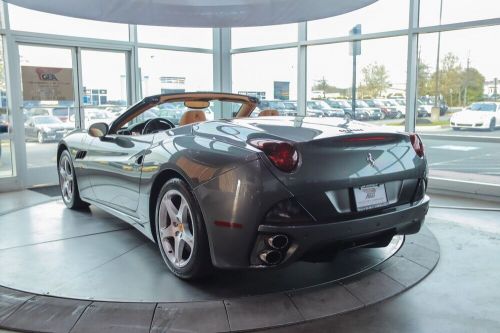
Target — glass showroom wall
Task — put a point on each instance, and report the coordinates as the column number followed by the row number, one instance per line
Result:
column 303, row 68
column 102, row 68
column 455, row 69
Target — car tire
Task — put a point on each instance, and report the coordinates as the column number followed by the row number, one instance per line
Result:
column 40, row 137
column 399, row 115
column 185, row 231
column 68, row 183
column 348, row 116
column 493, row 125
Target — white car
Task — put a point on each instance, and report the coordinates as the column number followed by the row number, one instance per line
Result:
column 485, row 115
column 97, row 116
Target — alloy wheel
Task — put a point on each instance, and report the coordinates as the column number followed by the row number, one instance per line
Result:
column 66, row 178
column 176, row 228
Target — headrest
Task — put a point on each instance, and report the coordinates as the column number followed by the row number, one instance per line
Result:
column 192, row 116
column 269, row 113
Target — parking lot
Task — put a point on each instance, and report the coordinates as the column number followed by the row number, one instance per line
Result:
column 446, row 155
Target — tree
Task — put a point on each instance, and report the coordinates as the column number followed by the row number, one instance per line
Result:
column 424, row 79
column 322, row 85
column 375, row 79
column 475, row 84
column 454, row 81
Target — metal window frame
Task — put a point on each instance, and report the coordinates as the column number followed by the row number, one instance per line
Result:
column 222, row 67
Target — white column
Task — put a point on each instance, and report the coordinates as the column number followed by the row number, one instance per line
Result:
column 412, row 67
column 222, row 66
column 302, row 70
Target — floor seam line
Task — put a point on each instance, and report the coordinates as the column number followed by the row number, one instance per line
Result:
column 227, row 316
column 295, row 306
column 153, row 317
column 80, row 316
column 413, row 261
column 20, row 305
column 64, row 239
column 352, row 294
column 390, row 277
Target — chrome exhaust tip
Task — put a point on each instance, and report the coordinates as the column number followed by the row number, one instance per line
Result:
column 278, row 242
column 270, row 257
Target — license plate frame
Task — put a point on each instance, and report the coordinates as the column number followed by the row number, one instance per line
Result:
column 370, row 196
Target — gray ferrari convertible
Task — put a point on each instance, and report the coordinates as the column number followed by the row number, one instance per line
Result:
column 255, row 191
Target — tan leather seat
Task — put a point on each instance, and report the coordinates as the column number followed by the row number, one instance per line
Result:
column 269, row 113
column 192, row 116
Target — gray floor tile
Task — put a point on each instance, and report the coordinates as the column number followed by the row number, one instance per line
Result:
column 10, row 301
column 420, row 255
column 372, row 287
column 324, row 301
column 110, row 317
column 204, row 317
column 261, row 311
column 46, row 314
column 404, row 271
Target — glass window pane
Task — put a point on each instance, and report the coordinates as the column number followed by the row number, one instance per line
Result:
column 190, row 37
column 268, row 75
column 457, row 11
column 383, row 15
column 5, row 123
column 35, row 21
column 267, row 35
column 47, row 107
column 173, row 71
column 381, row 79
column 467, row 104
column 104, row 80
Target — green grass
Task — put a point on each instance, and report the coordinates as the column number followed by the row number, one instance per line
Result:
column 423, row 122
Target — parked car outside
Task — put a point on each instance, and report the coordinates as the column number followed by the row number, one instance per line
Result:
column 401, row 109
column 46, row 128
column 374, row 113
column 93, row 116
column 328, row 111
column 484, row 115
column 388, row 110
column 277, row 105
column 343, row 104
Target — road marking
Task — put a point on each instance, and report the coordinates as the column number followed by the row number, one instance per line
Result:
column 453, row 147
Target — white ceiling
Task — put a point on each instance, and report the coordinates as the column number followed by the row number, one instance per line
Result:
column 197, row 13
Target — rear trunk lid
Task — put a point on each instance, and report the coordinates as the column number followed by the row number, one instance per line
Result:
column 336, row 157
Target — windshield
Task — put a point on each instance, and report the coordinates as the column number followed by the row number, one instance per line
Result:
column 46, row 120
column 483, row 107
column 290, row 105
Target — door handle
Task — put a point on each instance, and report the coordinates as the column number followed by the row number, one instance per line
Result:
column 138, row 160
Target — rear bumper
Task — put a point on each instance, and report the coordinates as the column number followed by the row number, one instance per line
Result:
column 304, row 238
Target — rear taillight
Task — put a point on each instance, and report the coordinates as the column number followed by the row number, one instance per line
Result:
column 282, row 154
column 417, row 144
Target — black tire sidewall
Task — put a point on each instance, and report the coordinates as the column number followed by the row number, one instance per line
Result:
column 200, row 262
column 75, row 202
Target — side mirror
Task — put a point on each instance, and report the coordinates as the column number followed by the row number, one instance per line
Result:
column 98, row 130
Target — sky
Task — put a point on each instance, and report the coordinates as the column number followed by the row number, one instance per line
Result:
column 258, row 71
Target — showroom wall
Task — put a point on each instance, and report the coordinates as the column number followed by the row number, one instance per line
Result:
column 410, row 52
